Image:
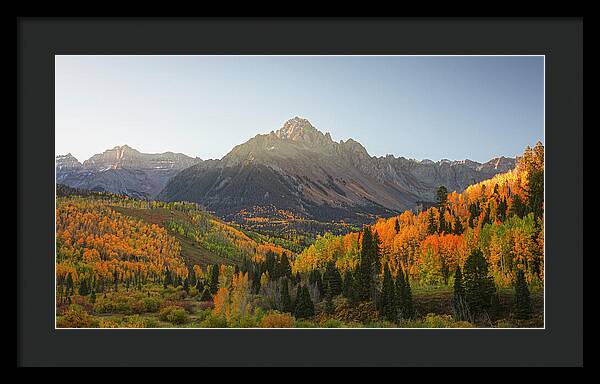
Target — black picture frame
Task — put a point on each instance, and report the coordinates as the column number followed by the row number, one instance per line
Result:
column 559, row 344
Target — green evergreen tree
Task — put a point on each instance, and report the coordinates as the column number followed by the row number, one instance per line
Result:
column 93, row 297
column 186, row 285
column 479, row 286
column 517, row 208
column 206, row 296
column 431, row 224
column 397, row 226
column 459, row 303
column 442, row 199
column 349, row 286
column 408, row 307
column 365, row 283
column 329, row 307
column 192, row 276
column 387, row 297
column 83, row 288
column 167, row 279
column 522, row 299
column 399, row 300
column 286, row 301
column 69, row 285
column 285, row 269
column 315, row 278
column 116, row 280
column 256, row 282
column 536, row 193
column 304, row 305
column 270, row 265
column 501, row 211
column 458, row 228
column 214, row 278
column 333, row 279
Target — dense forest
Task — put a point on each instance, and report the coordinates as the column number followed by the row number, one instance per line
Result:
column 475, row 259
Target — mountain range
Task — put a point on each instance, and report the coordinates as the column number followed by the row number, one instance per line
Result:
column 122, row 170
column 296, row 168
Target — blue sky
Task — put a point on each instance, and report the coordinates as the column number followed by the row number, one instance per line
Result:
column 418, row 107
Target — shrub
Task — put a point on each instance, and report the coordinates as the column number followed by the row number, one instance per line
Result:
column 188, row 306
column 173, row 314
column 244, row 321
column 436, row 321
column 332, row 323
column 305, row 324
column 107, row 323
column 277, row 320
column 379, row 324
column 75, row 317
column 213, row 321
column 151, row 322
column 151, row 304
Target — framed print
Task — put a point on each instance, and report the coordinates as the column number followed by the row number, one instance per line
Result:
column 316, row 199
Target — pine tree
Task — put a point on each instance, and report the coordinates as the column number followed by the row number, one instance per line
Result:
column 397, row 226
column 116, row 279
column 517, row 208
column 329, row 307
column 479, row 286
column 83, row 288
column 256, row 282
column 442, row 198
column 214, row 279
column 69, row 285
column 315, row 278
column 285, row 268
column 286, row 301
column 304, row 305
column 206, row 296
column 522, row 299
column 409, row 310
column 270, row 264
column 200, row 283
column 364, row 276
column 399, row 296
column 186, row 285
column 459, row 304
column 350, row 287
column 332, row 279
column 431, row 225
column 167, row 280
column 387, row 298
column 458, row 228
column 192, row 276
column 93, row 297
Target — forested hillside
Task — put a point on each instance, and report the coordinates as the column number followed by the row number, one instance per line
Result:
column 474, row 259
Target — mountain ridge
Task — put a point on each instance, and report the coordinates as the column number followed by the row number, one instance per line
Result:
column 122, row 170
column 301, row 169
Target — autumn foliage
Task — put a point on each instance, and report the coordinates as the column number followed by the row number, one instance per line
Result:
column 502, row 216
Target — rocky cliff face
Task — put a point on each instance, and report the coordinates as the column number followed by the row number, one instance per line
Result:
column 300, row 169
column 122, row 170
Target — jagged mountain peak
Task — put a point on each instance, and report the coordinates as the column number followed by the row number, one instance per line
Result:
column 301, row 130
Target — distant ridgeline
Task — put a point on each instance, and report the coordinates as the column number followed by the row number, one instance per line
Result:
column 296, row 171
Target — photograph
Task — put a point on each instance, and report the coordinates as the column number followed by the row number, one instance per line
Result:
column 299, row 191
